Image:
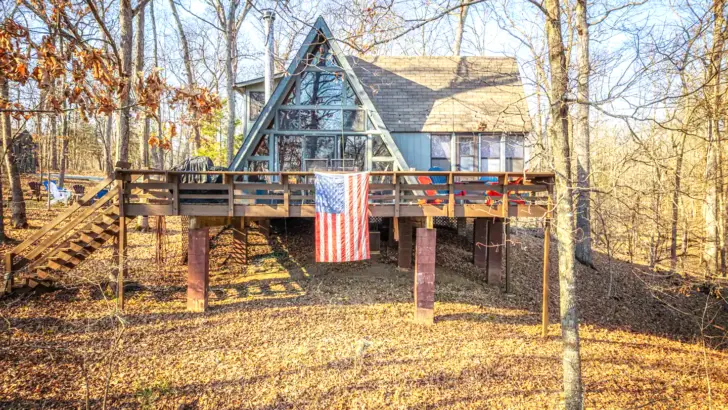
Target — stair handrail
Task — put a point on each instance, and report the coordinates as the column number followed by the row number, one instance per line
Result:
column 81, row 203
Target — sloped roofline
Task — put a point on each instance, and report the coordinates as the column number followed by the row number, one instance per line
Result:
column 319, row 27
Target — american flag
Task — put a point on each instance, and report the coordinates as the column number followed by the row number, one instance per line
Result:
column 342, row 221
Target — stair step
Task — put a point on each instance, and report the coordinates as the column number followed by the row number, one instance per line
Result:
column 109, row 219
column 70, row 256
column 99, row 238
column 80, row 245
column 60, row 265
column 101, row 228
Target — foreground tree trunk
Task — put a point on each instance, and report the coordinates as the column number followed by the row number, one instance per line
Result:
column 125, row 25
column 157, row 152
column 142, row 221
column 582, row 140
column 230, row 36
column 710, row 208
column 17, row 206
column 564, row 226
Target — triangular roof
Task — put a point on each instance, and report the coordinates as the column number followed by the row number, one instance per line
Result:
column 320, row 28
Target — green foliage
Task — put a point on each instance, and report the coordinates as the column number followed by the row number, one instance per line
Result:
column 211, row 131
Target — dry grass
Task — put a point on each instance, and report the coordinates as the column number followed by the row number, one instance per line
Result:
column 288, row 334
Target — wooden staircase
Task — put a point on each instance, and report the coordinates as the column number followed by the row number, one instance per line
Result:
column 68, row 240
column 83, row 244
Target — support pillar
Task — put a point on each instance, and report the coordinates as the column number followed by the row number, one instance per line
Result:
column 390, row 232
column 425, row 276
column 495, row 251
column 198, row 268
column 240, row 243
column 375, row 239
column 404, row 257
column 462, row 227
column 480, row 244
column 506, row 271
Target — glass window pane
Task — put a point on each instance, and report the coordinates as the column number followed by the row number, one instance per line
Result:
column 258, row 166
column 514, row 147
column 319, row 147
column 441, row 146
column 355, row 147
column 288, row 120
column 255, row 105
column 466, row 145
column 490, row 146
column 490, row 165
column 320, row 120
column 514, row 164
column 443, row 164
column 321, row 88
column 291, row 97
column 322, row 57
column 354, row 120
column 467, row 164
column 289, row 153
column 350, row 98
column 262, row 149
column 379, row 149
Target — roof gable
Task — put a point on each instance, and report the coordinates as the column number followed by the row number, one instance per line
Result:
column 319, row 35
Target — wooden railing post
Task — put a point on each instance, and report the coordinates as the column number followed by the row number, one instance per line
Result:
column 397, row 189
column 286, row 193
column 230, row 181
column 451, row 196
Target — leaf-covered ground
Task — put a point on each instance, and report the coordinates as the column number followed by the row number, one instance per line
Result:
column 285, row 333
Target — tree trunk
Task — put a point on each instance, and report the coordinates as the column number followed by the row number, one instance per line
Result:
column 108, row 144
column 143, row 221
column 144, row 137
column 710, row 207
column 676, row 204
column 230, row 36
column 581, row 141
column 188, row 65
column 17, row 204
column 64, row 151
column 460, row 30
column 157, row 152
column 564, row 226
column 125, row 25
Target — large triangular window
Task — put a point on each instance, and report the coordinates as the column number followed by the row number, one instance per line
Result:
column 320, row 117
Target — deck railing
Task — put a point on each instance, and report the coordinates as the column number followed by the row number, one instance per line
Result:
column 291, row 194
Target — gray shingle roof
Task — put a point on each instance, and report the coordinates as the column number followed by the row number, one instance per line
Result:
column 445, row 94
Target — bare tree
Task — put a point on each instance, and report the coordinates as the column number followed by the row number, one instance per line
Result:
column 559, row 136
column 710, row 209
column 17, row 204
column 581, row 139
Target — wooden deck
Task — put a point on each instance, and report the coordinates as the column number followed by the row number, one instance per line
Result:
column 291, row 194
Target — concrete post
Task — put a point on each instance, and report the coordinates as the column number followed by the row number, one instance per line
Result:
column 198, row 268
column 425, row 276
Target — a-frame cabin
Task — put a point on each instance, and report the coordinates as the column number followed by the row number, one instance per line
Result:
column 335, row 112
